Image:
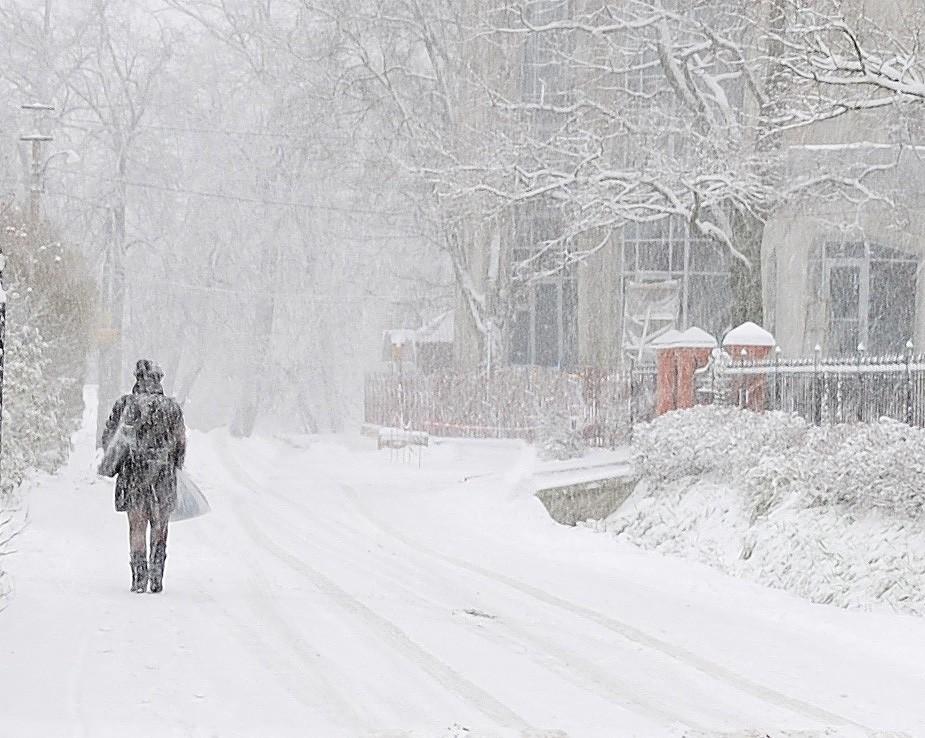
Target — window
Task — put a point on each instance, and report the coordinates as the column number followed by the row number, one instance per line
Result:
column 544, row 331
column 869, row 294
column 665, row 252
column 543, row 77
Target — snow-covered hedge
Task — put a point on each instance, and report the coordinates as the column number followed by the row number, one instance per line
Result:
column 50, row 304
column 833, row 513
column 708, row 439
column 37, row 419
column 774, row 457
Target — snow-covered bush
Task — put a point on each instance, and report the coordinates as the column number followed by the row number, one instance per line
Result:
column 862, row 466
column 560, row 438
column 709, row 438
column 775, row 457
column 36, row 419
column 49, row 307
column 830, row 513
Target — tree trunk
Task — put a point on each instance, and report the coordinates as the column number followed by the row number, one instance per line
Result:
column 748, row 228
column 747, row 286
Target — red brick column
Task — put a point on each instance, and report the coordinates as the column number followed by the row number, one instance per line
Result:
column 689, row 360
column 680, row 355
column 751, row 343
column 666, row 359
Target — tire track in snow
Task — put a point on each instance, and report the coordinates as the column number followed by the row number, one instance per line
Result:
column 296, row 652
column 579, row 672
column 621, row 628
column 556, row 659
column 625, row 630
column 449, row 679
column 75, row 681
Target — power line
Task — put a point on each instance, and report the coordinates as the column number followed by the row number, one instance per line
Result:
column 255, row 293
column 240, row 198
column 192, row 129
column 253, row 200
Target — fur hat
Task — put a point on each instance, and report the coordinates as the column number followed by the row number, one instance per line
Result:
column 145, row 368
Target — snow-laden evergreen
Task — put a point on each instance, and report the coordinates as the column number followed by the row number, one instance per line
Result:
column 48, row 308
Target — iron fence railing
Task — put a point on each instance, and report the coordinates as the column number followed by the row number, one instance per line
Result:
column 826, row 390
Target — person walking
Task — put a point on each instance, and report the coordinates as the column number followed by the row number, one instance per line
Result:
column 152, row 447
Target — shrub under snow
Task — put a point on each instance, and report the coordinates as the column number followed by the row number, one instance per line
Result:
column 832, row 513
column 776, row 456
column 708, row 439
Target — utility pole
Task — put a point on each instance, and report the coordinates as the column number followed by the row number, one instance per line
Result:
column 36, row 139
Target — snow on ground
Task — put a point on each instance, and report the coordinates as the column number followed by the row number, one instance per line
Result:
column 832, row 514
column 336, row 590
column 862, row 560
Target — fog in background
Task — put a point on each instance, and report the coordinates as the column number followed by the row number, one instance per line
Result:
column 238, row 205
column 260, row 188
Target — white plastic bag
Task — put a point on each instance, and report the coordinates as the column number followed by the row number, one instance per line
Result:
column 191, row 503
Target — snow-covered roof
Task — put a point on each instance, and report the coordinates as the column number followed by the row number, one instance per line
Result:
column 695, row 338
column 749, row 334
column 439, row 330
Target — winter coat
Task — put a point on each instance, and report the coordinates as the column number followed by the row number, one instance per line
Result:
column 149, row 470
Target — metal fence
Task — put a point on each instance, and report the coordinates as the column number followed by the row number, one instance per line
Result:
column 513, row 402
column 831, row 390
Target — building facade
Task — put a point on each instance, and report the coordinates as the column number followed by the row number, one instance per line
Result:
column 838, row 271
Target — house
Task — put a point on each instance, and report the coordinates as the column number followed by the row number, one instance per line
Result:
column 426, row 349
column 839, row 271
column 842, row 276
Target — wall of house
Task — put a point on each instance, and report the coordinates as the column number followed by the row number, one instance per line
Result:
column 797, row 319
column 791, row 236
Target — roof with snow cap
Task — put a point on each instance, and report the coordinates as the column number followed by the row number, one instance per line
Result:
column 695, row 337
column 749, row 334
column 668, row 338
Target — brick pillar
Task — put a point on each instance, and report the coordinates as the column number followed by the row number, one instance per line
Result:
column 688, row 351
column 689, row 360
column 751, row 343
column 666, row 358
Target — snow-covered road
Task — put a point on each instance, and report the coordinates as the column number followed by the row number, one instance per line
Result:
column 339, row 591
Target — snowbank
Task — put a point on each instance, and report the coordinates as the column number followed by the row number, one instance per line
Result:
column 833, row 514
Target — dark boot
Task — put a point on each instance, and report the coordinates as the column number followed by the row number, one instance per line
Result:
column 158, row 559
column 139, row 572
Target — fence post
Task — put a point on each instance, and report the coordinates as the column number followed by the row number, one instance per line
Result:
column 816, row 391
column 777, row 386
column 743, row 382
column 910, row 410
